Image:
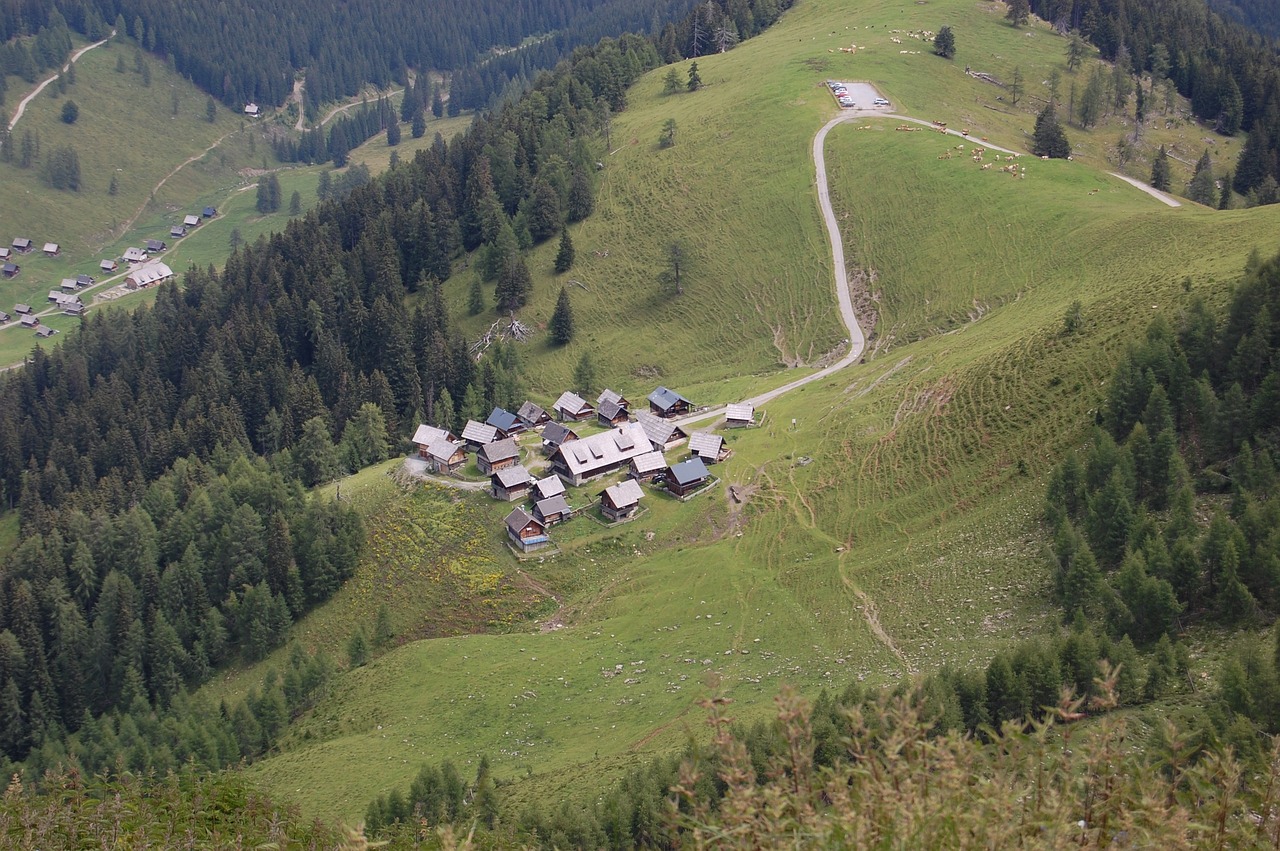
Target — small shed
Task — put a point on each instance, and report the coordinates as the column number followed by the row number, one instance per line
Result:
column 22, row 308
column 192, row 221
column 10, row 270
column 70, row 285
column 4, row 253
column 498, row 455
column 55, row 296
column 663, row 434
column 51, row 249
column 107, row 265
column 22, row 245
column 135, row 255
column 209, row 212
column 533, row 415
column 552, row 510
column 444, row 456
column 177, row 231
column 647, row 467
column 84, row 280
column 427, row 434
column 555, row 434
column 621, row 501
column 505, row 422
column 548, row 487
column 572, row 407
column 30, row 321
column 611, row 413
column 511, row 483
column 44, row 332
column 525, row 530
column 477, row 435
column 73, row 308
column 4, row 317
column 740, row 415
column 687, row 476
column 709, row 447
column 668, row 403
column 155, row 246
column 607, row 395
column 252, row 110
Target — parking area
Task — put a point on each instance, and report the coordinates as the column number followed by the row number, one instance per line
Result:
column 861, row 96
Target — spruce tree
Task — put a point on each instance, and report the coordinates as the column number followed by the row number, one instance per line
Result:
column 445, row 415
column 475, row 297
column 393, row 134
column 561, row 325
column 565, row 255
column 1049, row 140
column 419, row 127
column 584, row 375
column 514, row 284
column 295, row 203
column 1018, row 13
column 944, row 43
column 695, row 80
column 1160, row 170
column 1201, row 189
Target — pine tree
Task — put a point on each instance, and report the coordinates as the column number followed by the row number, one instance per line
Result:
column 437, row 105
column 584, row 375
column 944, row 43
column 1048, row 139
column 561, row 325
column 475, row 297
column 1075, row 51
column 295, row 203
column 1202, row 189
column 1016, row 86
column 445, row 415
column 695, row 79
column 419, row 127
column 383, row 632
column 393, row 134
column 210, row 110
column 1160, row 177
column 671, row 83
column 1018, row 13
column 315, row 454
column 514, row 284
column 357, row 649
column 565, row 255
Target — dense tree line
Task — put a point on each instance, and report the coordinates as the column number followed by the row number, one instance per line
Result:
column 1230, row 74
column 99, row 611
column 1189, row 425
column 49, row 43
column 1260, row 15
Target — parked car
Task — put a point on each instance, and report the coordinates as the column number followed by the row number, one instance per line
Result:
column 880, row 102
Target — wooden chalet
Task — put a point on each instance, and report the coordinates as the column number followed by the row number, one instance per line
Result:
column 209, row 212
column 107, row 265
column 73, row 308
column 552, row 510
column 22, row 309
column 22, row 245
column 591, row 457
column 10, row 270
column 4, row 317
column 547, row 488
column 610, row 413
column 554, row 435
column 533, row 415
column 191, row 221
column 155, row 246
column 498, row 455
column 663, row 434
column 177, row 232
column 740, row 416
column 526, row 531
column 426, row 434
column 507, row 423
column 5, row 253
column 443, row 452
column 709, row 447
column 148, row 275
column 30, row 320
column 476, row 435
column 252, row 110
column 135, row 255
column 84, row 281
column 69, row 285
column 571, row 407
column 607, row 395
column 510, row 483
column 621, row 501
column 647, row 467
column 44, row 332
column 56, row 296
column 51, row 249
column 667, row 403
column 687, row 476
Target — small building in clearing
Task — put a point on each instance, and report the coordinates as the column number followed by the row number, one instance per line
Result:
column 4, row 317
column 525, row 531
column 155, row 246
column 740, row 415
column 510, row 483
column 554, row 435
column 426, row 434
column 498, row 455
column 709, row 447
column 252, row 110
column 191, row 221
column 107, row 265
column 552, row 510
column 477, row 435
column 10, row 270
column 621, row 501
column 22, row 245
column 84, row 281
column 52, row 249
column 607, row 395
column 647, row 467
column 663, row 434
column 572, row 407
column 135, row 255
column 44, row 332
column 444, row 456
column 148, row 275
column 30, row 321
column 4, row 253
column 177, row 232
column 667, row 403
column 533, row 415
column 21, row 309
column 611, row 413
column 687, row 476
column 547, row 488
column 209, row 212
column 505, row 422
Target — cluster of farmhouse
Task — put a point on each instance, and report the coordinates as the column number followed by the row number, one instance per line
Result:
column 635, row 443
column 9, row 267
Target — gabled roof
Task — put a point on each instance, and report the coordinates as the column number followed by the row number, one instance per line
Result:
column 624, row 493
column 502, row 419
column 666, row 399
column 45, row 331
column 549, row 487
column 150, row 274
column 83, row 280
column 570, row 401
column 608, row 448
column 518, row 519
column 51, row 247
column 650, row 462
column 705, row 444
column 30, row 320
column 688, row 472
column 4, row 252
column 609, row 409
column 552, row 505
column 4, row 317
column 443, row 449
column 22, row 242
column 475, row 432
column 210, row 211
column 132, row 253
column 191, row 220
column 531, row 413
column 555, row 433
column 607, row 395
column 176, row 230
column 509, row 477
column 428, row 433
column 740, row 412
column 500, row 450
column 70, row 284
column 107, row 265
column 658, row 429
column 22, row 308
column 155, row 245
column 11, row 267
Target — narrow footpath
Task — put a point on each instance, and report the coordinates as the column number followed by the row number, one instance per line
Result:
column 22, row 104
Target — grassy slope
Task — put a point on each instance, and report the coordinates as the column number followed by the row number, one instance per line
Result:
column 910, row 539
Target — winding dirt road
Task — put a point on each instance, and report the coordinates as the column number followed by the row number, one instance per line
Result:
column 22, row 104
